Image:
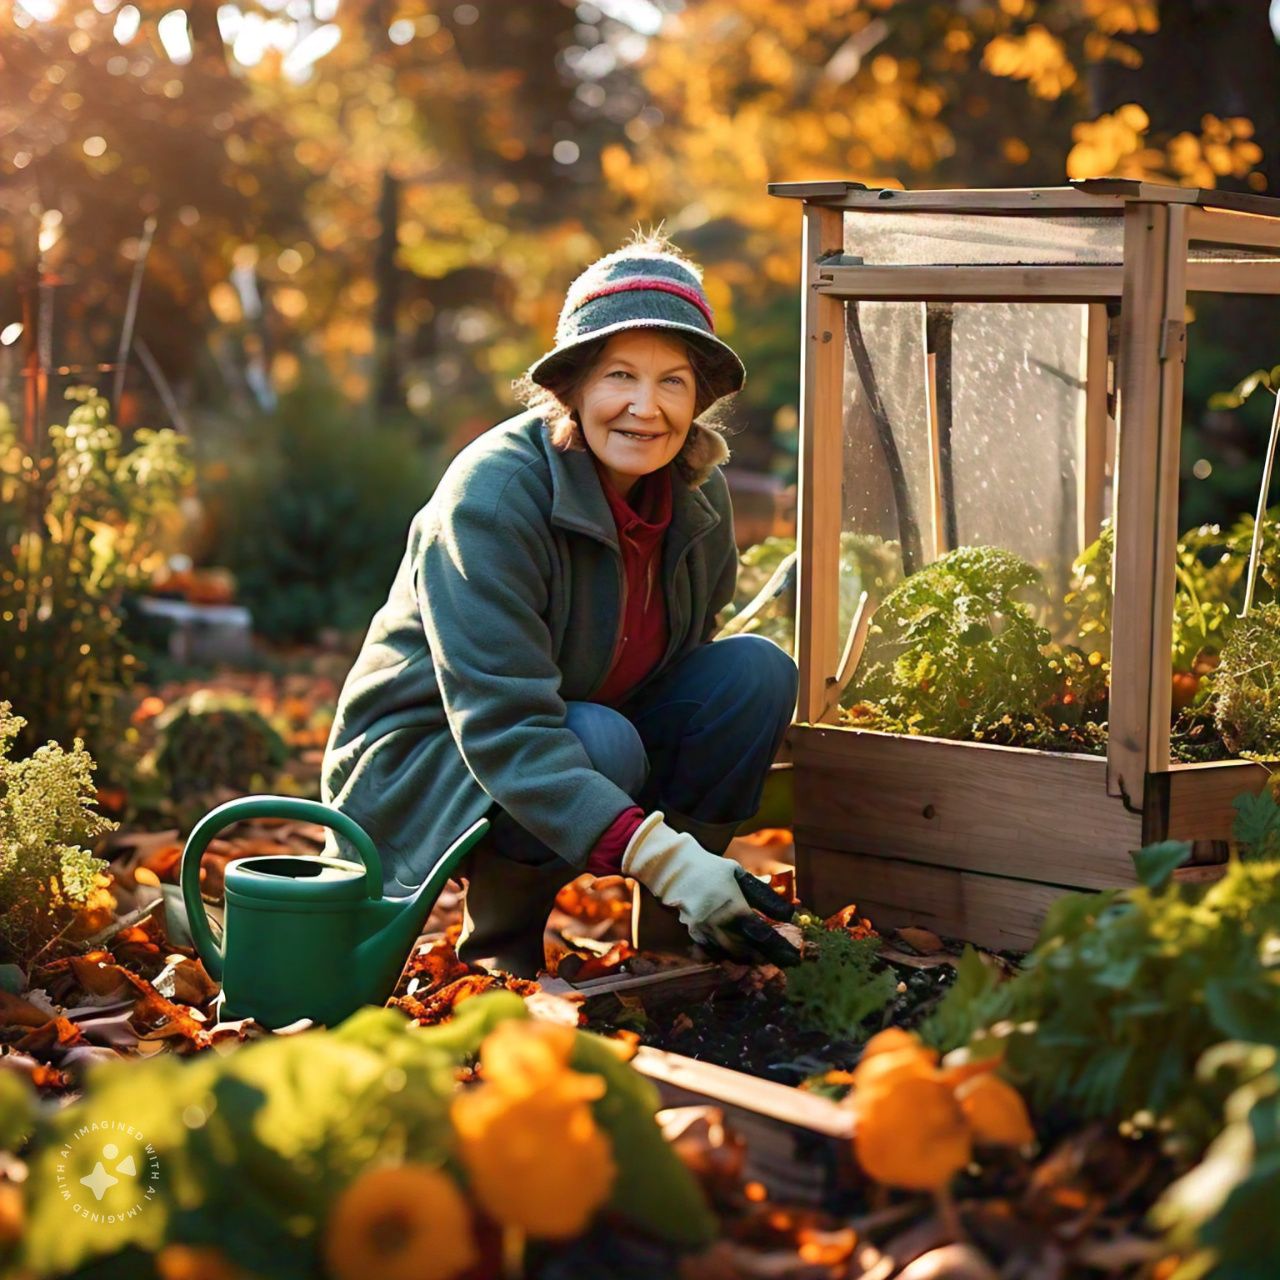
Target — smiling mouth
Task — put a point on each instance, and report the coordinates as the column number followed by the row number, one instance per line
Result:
column 638, row 435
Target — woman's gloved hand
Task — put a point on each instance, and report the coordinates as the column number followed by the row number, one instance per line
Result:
column 707, row 891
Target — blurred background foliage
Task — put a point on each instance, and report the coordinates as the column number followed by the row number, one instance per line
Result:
column 319, row 238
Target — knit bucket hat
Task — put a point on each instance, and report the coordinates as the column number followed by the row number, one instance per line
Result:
column 635, row 288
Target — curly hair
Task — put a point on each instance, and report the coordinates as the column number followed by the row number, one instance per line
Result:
column 704, row 448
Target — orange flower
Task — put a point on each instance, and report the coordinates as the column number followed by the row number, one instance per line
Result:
column 402, row 1222
column 910, row 1132
column 527, row 1136
column 195, row 1262
column 917, row 1121
column 995, row 1112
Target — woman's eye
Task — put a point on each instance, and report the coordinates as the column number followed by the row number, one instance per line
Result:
column 619, row 373
column 677, row 380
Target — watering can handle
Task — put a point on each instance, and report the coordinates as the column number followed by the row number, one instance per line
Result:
column 261, row 807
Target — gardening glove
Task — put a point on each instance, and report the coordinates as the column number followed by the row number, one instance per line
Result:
column 708, row 891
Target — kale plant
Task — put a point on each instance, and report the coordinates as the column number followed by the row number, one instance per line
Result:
column 955, row 645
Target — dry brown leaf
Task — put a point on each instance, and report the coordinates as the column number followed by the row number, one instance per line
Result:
column 17, row 1012
column 55, row 1033
column 951, row 1262
column 98, row 973
column 770, row 837
column 152, row 1008
column 925, row 941
column 435, row 966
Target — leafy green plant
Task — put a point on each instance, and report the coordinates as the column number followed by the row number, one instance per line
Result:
column 314, row 509
column 269, row 1136
column 1221, row 1215
column 1246, row 685
column 1126, row 989
column 956, row 645
column 46, row 820
column 82, row 521
column 838, row 985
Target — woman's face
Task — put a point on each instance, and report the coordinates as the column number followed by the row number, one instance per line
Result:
column 637, row 404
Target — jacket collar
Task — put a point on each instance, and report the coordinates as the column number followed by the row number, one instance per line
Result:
column 578, row 501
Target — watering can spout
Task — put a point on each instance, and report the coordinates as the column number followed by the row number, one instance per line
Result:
column 392, row 925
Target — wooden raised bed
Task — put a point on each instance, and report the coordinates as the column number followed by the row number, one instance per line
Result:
column 977, row 840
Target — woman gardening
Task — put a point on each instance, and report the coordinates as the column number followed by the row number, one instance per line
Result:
column 544, row 657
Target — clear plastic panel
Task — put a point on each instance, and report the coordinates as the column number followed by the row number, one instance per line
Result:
column 1226, row 608
column 965, row 435
column 1207, row 251
column 926, row 239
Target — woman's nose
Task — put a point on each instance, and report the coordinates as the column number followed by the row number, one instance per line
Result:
column 643, row 403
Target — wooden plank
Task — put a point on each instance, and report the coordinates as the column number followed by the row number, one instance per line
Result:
column 1234, row 277
column 1092, row 194
column 956, row 200
column 973, row 283
column 1091, row 491
column 1193, row 801
column 1033, row 815
column 1172, row 354
column 1137, row 498
column 821, row 479
column 779, row 1102
column 990, row 911
column 1218, row 226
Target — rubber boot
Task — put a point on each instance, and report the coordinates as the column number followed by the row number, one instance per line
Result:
column 505, row 910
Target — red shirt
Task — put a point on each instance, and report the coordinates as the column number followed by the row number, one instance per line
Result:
column 642, row 525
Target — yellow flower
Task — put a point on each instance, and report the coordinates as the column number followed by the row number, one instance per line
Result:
column 527, row 1137
column 402, row 1222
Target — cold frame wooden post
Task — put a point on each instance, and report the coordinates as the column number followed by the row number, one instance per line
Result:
column 1152, row 349
column 821, row 469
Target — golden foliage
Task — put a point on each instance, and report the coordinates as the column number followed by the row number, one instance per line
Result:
column 1117, row 145
column 1037, row 56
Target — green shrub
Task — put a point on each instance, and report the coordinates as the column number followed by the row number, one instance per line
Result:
column 211, row 743
column 1126, row 989
column 81, row 523
column 1221, row 1215
column 1246, row 685
column 314, row 511
column 46, row 819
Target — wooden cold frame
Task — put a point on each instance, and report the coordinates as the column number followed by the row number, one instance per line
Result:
column 818, row 513
column 972, row 839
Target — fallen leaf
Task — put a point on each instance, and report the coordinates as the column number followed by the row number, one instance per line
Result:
column 17, row 1012
column 924, row 941
column 951, row 1262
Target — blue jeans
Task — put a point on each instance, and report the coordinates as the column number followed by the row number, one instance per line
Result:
column 697, row 743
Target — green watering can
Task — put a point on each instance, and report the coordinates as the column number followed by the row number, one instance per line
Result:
column 307, row 937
